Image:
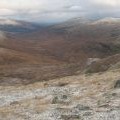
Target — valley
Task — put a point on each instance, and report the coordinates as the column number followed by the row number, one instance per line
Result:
column 66, row 71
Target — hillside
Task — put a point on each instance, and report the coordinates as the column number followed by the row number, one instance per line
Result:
column 77, row 43
column 66, row 48
column 17, row 26
column 68, row 71
column 95, row 96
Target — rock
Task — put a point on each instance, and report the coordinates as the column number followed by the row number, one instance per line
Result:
column 60, row 99
column 92, row 60
column 87, row 114
column 82, row 107
column 104, row 105
column 64, row 97
column 55, row 100
column 70, row 117
column 60, row 84
column 14, row 103
column 117, row 84
column 114, row 94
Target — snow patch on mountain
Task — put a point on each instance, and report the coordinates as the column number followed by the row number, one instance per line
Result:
column 107, row 21
column 9, row 22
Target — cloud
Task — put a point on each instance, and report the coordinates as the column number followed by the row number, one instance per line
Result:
column 57, row 10
column 4, row 12
column 108, row 3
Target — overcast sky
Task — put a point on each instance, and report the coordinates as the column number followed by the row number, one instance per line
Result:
column 58, row 10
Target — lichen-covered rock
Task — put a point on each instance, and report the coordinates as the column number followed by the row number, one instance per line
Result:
column 117, row 84
column 59, row 99
column 70, row 117
column 82, row 107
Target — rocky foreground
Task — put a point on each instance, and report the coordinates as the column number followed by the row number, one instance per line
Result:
column 81, row 97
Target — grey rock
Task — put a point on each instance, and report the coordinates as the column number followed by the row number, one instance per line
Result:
column 82, row 107
column 117, row 84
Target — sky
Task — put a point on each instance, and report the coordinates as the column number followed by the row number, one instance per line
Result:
column 51, row 11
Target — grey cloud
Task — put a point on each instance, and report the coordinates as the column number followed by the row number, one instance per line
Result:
column 58, row 10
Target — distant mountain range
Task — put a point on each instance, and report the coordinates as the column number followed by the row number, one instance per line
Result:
column 108, row 21
column 74, row 41
column 10, row 25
